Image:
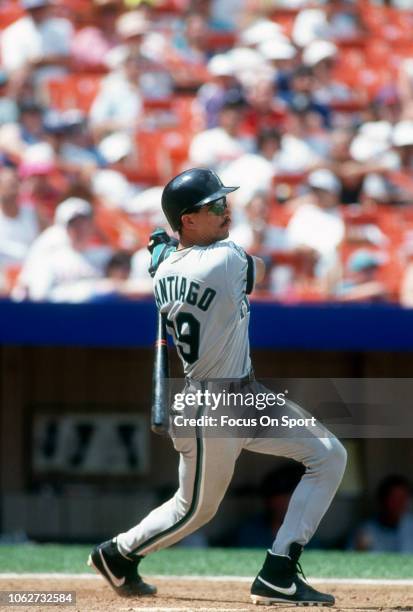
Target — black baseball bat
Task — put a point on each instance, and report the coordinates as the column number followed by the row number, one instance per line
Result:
column 160, row 396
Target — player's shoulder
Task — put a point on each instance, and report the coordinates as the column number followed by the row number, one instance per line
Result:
column 226, row 249
column 220, row 257
column 204, row 260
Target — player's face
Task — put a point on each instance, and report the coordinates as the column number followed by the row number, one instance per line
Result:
column 210, row 223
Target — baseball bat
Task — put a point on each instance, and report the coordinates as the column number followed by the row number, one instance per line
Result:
column 160, row 399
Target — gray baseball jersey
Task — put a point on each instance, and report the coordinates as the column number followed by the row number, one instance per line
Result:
column 203, row 291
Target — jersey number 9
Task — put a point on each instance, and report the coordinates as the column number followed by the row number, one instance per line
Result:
column 186, row 329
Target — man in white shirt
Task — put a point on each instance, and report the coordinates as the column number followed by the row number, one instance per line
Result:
column 18, row 223
column 69, row 262
column 318, row 224
column 254, row 170
column 217, row 147
column 118, row 105
column 255, row 233
column 36, row 41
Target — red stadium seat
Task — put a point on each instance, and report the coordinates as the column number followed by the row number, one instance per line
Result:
column 218, row 41
column 73, row 91
column 11, row 274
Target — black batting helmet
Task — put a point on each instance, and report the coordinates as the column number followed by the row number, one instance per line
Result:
column 190, row 190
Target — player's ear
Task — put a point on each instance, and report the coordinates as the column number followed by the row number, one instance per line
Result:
column 188, row 221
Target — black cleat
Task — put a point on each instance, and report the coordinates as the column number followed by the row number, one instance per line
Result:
column 278, row 582
column 120, row 572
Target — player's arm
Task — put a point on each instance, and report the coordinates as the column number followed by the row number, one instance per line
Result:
column 259, row 269
column 245, row 270
column 255, row 272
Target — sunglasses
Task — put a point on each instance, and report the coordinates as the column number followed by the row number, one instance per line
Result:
column 218, row 207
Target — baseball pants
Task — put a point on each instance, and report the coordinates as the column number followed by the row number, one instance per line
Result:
column 206, row 467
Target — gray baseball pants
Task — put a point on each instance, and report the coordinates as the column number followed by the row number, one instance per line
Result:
column 206, row 467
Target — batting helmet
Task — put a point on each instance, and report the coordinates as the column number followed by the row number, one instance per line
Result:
column 190, row 190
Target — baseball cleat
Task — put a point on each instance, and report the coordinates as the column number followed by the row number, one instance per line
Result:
column 120, row 572
column 278, row 582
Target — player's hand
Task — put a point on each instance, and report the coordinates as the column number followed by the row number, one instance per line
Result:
column 160, row 246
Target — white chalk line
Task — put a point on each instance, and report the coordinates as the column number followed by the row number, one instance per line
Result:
column 165, row 609
column 86, row 577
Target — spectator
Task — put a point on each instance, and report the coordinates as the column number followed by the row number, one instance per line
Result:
column 321, row 56
column 255, row 233
column 92, row 44
column 253, row 171
column 403, row 144
column 297, row 154
column 72, row 142
column 309, row 25
column 317, row 224
column 9, row 111
column 137, row 39
column 118, row 267
column 261, row 30
column 70, row 261
column 391, row 527
column 118, row 105
column 37, row 41
column 405, row 87
column 16, row 138
column 131, row 28
column 226, row 14
column 282, row 55
column 42, row 185
column 18, row 222
column 31, row 122
column 360, row 283
column 300, row 96
column 222, row 86
column 191, row 45
column 349, row 171
column 344, row 20
column 113, row 287
column 396, row 165
column 216, row 147
column 330, row 22
column 264, row 110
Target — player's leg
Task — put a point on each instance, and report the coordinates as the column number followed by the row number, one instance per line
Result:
column 324, row 458
column 205, row 470
column 325, row 461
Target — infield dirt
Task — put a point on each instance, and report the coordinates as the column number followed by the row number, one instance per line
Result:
column 187, row 596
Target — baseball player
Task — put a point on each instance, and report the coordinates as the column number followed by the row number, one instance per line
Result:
column 201, row 286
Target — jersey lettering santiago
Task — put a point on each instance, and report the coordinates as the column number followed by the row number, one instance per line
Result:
column 202, row 290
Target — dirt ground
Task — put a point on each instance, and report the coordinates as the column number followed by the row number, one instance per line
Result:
column 183, row 595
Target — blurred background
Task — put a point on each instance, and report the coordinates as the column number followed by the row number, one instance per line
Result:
column 309, row 107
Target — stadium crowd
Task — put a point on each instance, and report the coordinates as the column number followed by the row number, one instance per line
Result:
column 307, row 105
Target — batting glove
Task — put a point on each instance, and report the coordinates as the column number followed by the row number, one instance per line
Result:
column 160, row 246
